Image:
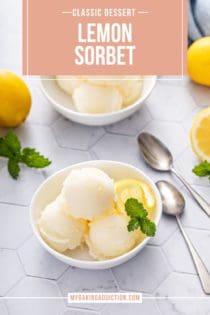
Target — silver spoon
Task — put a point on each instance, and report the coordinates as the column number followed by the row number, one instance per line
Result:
column 157, row 155
column 174, row 204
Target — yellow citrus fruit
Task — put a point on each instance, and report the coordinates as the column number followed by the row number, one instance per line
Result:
column 131, row 188
column 15, row 99
column 199, row 61
column 200, row 135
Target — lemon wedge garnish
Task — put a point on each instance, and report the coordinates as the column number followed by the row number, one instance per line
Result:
column 200, row 135
column 131, row 188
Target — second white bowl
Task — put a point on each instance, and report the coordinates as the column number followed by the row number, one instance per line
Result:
column 64, row 105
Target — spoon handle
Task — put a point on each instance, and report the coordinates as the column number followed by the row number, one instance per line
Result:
column 203, row 273
column 200, row 200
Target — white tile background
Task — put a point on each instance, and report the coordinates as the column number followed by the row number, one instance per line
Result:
column 164, row 267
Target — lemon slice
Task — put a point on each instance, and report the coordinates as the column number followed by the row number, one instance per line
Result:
column 200, row 135
column 149, row 197
column 125, row 189
column 131, row 188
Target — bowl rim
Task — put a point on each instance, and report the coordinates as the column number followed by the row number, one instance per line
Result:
column 141, row 99
column 89, row 264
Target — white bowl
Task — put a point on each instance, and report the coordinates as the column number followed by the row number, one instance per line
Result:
column 64, row 105
column 51, row 188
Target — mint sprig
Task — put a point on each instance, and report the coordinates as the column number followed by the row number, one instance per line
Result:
column 139, row 217
column 202, row 169
column 10, row 148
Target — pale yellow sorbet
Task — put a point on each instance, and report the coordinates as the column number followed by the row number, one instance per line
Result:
column 88, row 192
column 60, row 230
column 69, row 83
column 94, row 99
column 101, row 94
column 109, row 237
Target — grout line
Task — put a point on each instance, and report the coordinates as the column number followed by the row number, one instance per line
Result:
column 17, row 253
column 91, row 145
column 120, row 134
column 115, row 279
column 13, row 287
column 13, row 204
column 58, row 279
column 40, row 278
column 170, row 236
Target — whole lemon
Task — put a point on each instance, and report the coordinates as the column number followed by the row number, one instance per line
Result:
column 15, row 99
column 199, row 61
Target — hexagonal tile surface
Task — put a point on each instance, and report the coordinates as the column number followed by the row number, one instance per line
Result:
column 18, row 192
column 63, row 157
column 37, row 262
column 203, row 191
column 200, row 93
column 173, row 80
column 43, row 140
column 172, row 135
column 79, row 312
column 32, row 287
column 193, row 215
column 79, row 280
column 11, row 52
column 185, row 164
column 168, row 113
column 14, row 226
column 39, row 137
column 178, row 254
column 175, row 102
column 140, row 276
column 200, row 239
column 71, row 135
column 3, row 308
column 166, row 228
column 76, row 280
column 132, row 125
column 42, row 112
column 188, row 120
column 147, row 307
column 178, row 284
column 110, row 147
column 11, row 270
column 185, row 307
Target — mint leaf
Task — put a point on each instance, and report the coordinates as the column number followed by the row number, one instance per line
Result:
column 4, row 150
column 148, row 227
column 133, row 225
column 13, row 168
column 202, row 169
column 13, row 143
column 135, row 209
column 34, row 159
column 139, row 217
column 10, row 148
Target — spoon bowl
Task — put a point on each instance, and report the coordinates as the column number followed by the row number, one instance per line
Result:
column 172, row 199
column 155, row 153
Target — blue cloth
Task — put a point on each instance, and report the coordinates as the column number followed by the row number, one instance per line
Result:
column 199, row 19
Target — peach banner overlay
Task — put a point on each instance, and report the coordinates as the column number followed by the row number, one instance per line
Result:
column 75, row 37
